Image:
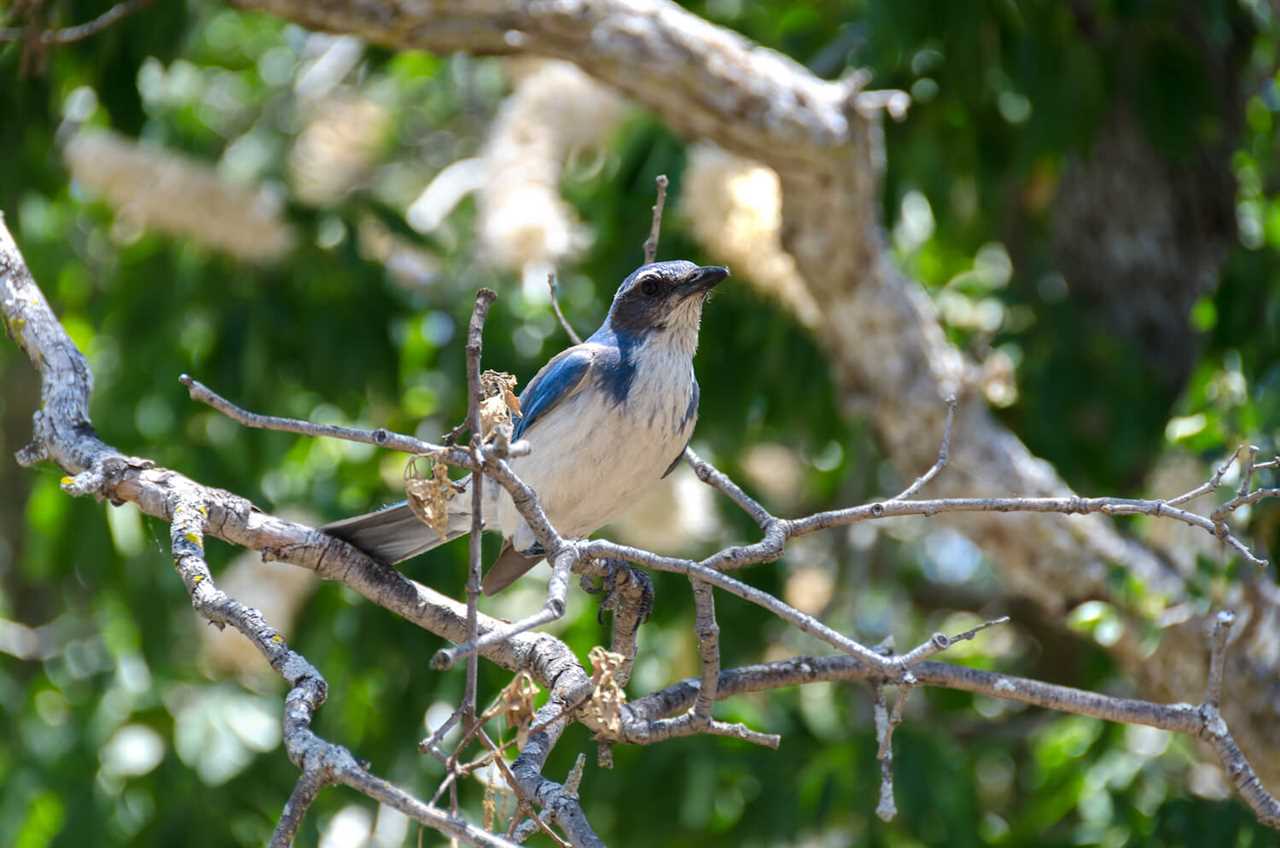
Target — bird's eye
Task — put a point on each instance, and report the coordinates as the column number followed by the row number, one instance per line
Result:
column 649, row 286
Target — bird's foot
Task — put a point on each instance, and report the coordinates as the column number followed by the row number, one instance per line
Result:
column 622, row 587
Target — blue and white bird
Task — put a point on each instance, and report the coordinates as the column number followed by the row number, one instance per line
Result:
column 605, row 420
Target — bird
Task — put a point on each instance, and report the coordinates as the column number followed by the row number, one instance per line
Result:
column 605, row 420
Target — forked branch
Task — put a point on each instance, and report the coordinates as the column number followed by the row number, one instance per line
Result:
column 63, row 433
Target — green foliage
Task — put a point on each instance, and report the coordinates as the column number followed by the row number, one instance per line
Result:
column 123, row 735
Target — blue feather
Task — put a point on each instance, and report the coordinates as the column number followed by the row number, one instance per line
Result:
column 616, row 367
column 556, row 381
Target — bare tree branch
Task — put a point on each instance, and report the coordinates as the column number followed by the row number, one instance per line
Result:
column 1217, row 656
column 322, row 763
column 526, row 829
column 898, row 670
column 889, row 354
column 539, row 821
column 887, row 721
column 554, row 287
column 72, row 34
column 552, row 610
column 1203, row 721
column 63, row 432
column 939, row 642
column 561, row 804
column 193, row 510
column 944, row 453
column 475, row 397
column 655, row 229
column 778, row 531
column 295, row 809
column 720, row 481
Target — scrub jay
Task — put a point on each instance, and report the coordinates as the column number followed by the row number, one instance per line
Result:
column 605, row 420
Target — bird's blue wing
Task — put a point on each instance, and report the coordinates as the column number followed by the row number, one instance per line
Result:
column 556, row 381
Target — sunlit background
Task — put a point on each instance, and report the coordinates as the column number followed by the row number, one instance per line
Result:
column 300, row 220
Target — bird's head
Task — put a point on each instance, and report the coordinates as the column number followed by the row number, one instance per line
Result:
column 666, row 298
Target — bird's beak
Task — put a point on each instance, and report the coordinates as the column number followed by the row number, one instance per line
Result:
column 704, row 279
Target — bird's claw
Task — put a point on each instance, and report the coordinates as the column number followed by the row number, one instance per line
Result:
column 624, row 584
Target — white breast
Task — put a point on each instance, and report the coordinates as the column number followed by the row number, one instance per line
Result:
column 592, row 458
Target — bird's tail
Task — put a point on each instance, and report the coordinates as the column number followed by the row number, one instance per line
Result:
column 395, row 533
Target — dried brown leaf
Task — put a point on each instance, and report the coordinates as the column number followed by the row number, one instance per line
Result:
column 500, row 401
column 515, row 704
column 607, row 698
column 429, row 493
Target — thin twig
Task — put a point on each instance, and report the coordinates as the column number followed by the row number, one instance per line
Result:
column 1246, row 469
column 377, row 436
column 1209, row 485
column 554, row 286
column 300, row 800
column 1064, row 505
column 1217, row 656
column 655, row 228
column 1243, row 496
column 886, row 722
column 475, row 397
column 721, row 482
column 940, row 642
column 431, row 744
column 1213, row 727
column 944, row 453
column 79, row 32
column 552, row 610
